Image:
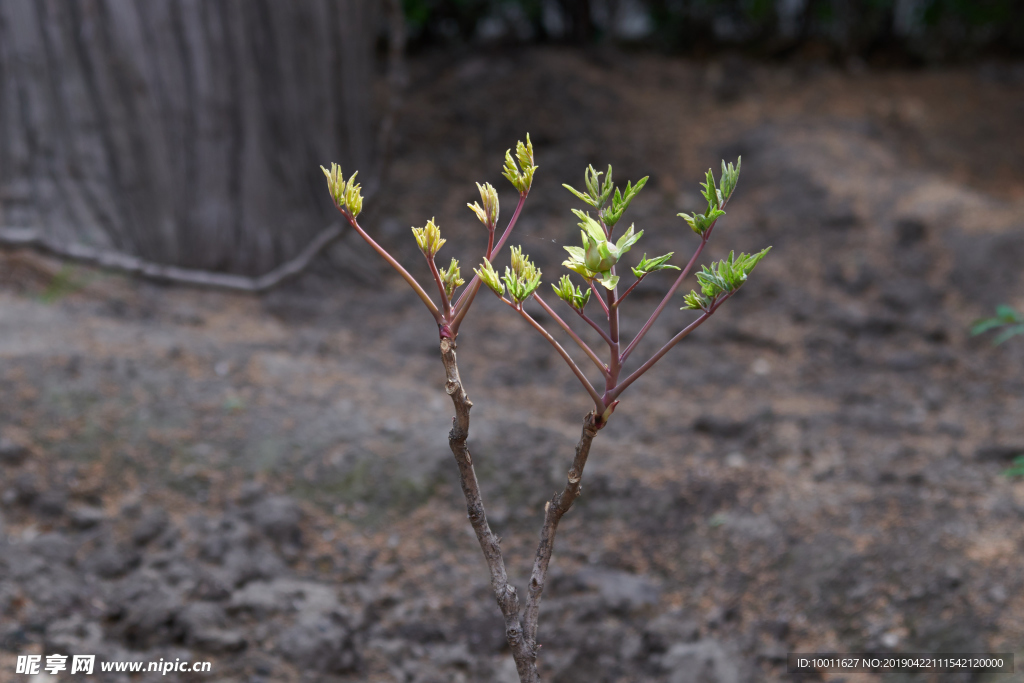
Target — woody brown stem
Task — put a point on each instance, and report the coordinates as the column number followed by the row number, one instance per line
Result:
column 508, row 600
column 553, row 511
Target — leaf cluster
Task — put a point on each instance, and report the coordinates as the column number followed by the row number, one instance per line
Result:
column 716, row 197
column 598, row 193
column 598, row 255
column 488, row 213
column 429, row 239
column 576, row 297
column 1016, row 469
column 723, row 277
column 647, row 266
column 522, row 175
column 345, row 193
column 451, row 279
column 521, row 280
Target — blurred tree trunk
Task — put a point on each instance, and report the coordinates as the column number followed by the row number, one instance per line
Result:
column 580, row 24
column 187, row 132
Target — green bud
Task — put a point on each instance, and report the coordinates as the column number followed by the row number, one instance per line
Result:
column 488, row 213
column 429, row 238
column 336, row 184
column 520, row 176
column 353, row 197
column 574, row 296
column 490, row 278
column 451, row 279
column 649, row 266
column 728, row 275
column 695, row 301
column 730, row 176
column 523, row 278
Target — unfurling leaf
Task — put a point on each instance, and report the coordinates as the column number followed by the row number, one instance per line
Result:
column 336, row 184
column 700, row 223
column 695, row 301
column 574, row 296
column 429, row 239
column 451, row 278
column 522, row 176
column 728, row 275
column 353, row 196
column 607, row 280
column 730, row 176
column 584, row 197
column 1005, row 317
column 488, row 213
column 490, row 278
column 655, row 264
column 621, row 201
column 523, row 278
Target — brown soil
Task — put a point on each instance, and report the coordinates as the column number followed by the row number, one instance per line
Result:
column 816, row 469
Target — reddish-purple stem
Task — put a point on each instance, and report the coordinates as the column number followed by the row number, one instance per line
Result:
column 667, row 297
column 469, row 294
column 599, row 297
column 564, row 354
column 575, row 337
column 614, row 393
column 447, row 311
column 604, row 335
column 396, row 265
column 626, row 293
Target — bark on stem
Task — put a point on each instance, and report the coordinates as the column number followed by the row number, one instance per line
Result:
column 508, row 600
column 553, row 511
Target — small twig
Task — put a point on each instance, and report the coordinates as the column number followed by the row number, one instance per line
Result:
column 115, row 260
column 508, row 600
column 564, row 354
column 575, row 337
column 469, row 294
column 553, row 512
column 626, row 293
column 604, row 335
column 614, row 393
column 668, row 295
column 424, row 297
column 446, row 305
column 600, row 299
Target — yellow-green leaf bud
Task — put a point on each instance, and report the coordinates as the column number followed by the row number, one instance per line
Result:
column 490, row 278
column 429, row 238
column 336, row 184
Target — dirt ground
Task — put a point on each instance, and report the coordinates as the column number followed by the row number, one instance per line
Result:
column 265, row 483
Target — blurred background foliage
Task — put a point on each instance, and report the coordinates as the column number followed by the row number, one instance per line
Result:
column 879, row 31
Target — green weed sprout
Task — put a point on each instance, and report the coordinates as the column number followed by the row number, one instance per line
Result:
column 1010, row 320
column 1016, row 469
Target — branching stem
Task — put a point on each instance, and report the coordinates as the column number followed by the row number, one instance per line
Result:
column 523, row 652
column 604, row 335
column 553, row 512
column 447, row 310
column 469, row 294
column 626, row 293
column 664, row 302
column 576, row 338
column 614, row 393
column 396, row 265
column 598, row 403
